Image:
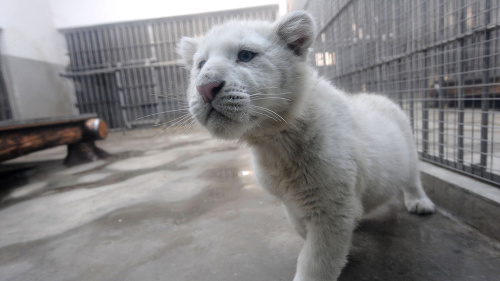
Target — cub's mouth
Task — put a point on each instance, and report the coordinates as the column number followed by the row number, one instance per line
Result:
column 230, row 107
column 214, row 114
column 224, row 113
column 227, row 103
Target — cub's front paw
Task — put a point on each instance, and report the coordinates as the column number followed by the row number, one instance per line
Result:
column 420, row 206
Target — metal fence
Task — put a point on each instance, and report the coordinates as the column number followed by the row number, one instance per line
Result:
column 128, row 72
column 5, row 110
column 439, row 59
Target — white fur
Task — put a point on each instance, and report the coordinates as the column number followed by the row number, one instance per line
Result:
column 328, row 156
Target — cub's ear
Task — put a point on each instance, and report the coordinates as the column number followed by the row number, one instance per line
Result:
column 186, row 48
column 297, row 30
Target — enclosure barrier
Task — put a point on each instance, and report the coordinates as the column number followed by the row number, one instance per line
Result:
column 129, row 72
column 439, row 59
column 5, row 110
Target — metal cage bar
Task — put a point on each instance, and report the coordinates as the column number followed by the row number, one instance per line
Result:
column 438, row 59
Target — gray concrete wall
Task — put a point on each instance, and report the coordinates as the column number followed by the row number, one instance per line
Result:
column 33, row 55
column 471, row 201
column 36, row 89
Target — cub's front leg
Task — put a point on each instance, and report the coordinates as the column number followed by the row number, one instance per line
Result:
column 327, row 244
column 295, row 221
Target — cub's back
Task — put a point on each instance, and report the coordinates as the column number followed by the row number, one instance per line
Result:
column 378, row 114
column 385, row 139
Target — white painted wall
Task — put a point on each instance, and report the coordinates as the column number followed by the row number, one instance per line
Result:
column 33, row 56
column 76, row 13
column 28, row 31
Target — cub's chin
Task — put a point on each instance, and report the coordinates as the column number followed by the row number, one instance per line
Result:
column 221, row 126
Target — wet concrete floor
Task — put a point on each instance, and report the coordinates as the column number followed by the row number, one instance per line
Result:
column 186, row 207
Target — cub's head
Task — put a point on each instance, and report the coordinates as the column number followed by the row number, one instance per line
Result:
column 248, row 76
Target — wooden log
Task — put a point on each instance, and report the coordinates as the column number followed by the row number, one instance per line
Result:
column 95, row 129
column 20, row 139
column 83, row 152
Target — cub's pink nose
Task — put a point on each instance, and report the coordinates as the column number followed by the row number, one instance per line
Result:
column 208, row 91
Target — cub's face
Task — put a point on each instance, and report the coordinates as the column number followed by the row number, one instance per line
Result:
column 246, row 76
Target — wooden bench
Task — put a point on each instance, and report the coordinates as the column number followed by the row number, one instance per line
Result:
column 20, row 137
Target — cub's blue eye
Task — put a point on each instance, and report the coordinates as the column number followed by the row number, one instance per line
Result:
column 201, row 64
column 246, row 56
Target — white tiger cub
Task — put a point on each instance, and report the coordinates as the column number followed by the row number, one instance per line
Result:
column 328, row 156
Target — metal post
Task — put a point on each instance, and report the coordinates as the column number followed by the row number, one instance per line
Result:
column 460, row 84
column 441, row 81
column 121, row 96
column 410, row 66
column 485, row 95
column 425, row 106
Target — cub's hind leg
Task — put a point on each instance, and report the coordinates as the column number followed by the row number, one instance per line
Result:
column 416, row 200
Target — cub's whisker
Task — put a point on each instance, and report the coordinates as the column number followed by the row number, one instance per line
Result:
column 184, row 118
column 257, row 123
column 271, row 112
column 175, row 98
column 268, row 94
column 265, row 98
column 189, row 127
column 256, row 89
column 266, row 115
column 173, row 120
column 158, row 113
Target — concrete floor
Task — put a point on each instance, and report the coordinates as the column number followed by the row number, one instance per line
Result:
column 185, row 207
